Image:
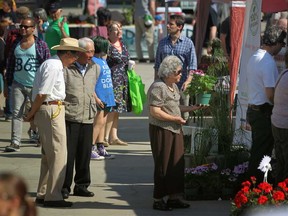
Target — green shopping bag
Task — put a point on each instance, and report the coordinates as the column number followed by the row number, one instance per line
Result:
column 137, row 91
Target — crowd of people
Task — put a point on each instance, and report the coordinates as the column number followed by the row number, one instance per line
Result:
column 77, row 88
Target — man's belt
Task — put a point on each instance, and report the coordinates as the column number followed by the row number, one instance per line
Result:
column 263, row 107
column 254, row 107
column 54, row 102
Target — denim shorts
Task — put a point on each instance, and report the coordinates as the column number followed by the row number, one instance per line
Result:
column 105, row 109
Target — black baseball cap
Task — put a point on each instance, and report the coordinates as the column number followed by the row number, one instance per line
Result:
column 53, row 7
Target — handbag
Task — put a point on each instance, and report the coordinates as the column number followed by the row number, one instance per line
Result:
column 136, row 91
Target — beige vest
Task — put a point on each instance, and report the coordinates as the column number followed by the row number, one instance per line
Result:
column 80, row 103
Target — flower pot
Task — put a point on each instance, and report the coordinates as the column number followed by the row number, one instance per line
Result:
column 203, row 99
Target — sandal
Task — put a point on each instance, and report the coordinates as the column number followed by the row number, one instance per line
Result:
column 161, row 205
column 118, row 142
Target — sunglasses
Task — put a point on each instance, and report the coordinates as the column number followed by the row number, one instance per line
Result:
column 178, row 72
column 25, row 26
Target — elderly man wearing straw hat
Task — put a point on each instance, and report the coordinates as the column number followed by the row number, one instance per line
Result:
column 48, row 112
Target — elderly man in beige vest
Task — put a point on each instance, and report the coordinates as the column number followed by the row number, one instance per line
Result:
column 80, row 80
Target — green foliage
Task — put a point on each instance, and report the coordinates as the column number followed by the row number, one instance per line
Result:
column 220, row 105
column 219, row 67
column 202, row 145
column 216, row 47
column 128, row 12
column 201, row 83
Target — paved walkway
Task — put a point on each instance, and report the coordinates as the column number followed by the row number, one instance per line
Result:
column 123, row 186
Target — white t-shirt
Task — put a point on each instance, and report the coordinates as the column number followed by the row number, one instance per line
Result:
column 261, row 73
column 49, row 80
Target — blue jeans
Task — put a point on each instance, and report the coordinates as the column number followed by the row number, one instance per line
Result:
column 19, row 97
column 8, row 104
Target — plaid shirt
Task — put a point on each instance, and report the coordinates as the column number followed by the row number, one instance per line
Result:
column 42, row 53
column 184, row 49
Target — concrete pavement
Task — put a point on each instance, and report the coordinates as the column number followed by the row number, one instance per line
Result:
column 122, row 186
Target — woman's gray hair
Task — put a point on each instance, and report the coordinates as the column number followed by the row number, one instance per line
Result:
column 169, row 66
column 84, row 41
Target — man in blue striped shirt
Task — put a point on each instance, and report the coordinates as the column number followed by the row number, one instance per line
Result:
column 180, row 46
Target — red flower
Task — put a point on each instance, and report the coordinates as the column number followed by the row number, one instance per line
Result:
column 240, row 199
column 245, row 189
column 263, row 194
column 266, row 187
column 262, row 200
column 283, row 186
column 256, row 190
column 253, row 179
column 246, row 183
column 278, row 196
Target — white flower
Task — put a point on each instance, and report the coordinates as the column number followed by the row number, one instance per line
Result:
column 265, row 166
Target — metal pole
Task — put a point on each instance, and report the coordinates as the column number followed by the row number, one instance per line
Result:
column 166, row 17
column 95, row 15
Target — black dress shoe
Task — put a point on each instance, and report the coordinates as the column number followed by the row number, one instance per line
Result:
column 65, row 193
column 82, row 191
column 39, row 201
column 177, row 203
column 161, row 205
column 58, row 204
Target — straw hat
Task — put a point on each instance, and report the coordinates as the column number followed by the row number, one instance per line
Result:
column 70, row 44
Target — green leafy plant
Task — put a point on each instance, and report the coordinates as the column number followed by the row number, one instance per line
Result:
column 201, row 83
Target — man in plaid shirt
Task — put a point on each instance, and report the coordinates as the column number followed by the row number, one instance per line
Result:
column 180, row 46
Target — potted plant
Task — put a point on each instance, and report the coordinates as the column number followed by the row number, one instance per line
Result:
column 251, row 197
column 230, row 179
column 254, row 197
column 202, row 182
column 201, row 86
